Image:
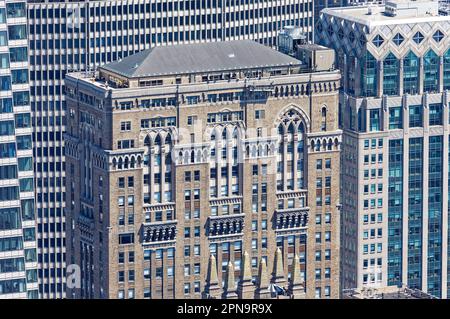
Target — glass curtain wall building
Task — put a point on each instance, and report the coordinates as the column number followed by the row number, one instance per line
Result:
column 395, row 115
column 18, row 258
column 78, row 36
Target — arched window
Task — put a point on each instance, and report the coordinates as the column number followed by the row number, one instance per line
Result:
column 369, row 75
column 390, row 75
column 431, row 72
column 323, row 125
column 410, row 73
column 288, row 147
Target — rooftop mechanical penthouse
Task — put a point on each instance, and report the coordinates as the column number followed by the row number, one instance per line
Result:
column 204, row 171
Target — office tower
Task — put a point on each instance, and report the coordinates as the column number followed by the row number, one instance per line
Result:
column 211, row 155
column 68, row 36
column 18, row 258
column 395, row 64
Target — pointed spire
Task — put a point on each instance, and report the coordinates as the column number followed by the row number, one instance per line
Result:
column 212, row 283
column 263, row 292
column 263, row 277
column 212, row 270
column 247, row 271
column 230, row 283
column 295, row 273
column 278, row 272
column 246, row 288
column 296, row 288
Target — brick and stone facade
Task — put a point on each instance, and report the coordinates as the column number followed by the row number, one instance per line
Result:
column 178, row 182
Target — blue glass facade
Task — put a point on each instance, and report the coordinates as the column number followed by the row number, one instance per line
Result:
column 391, row 75
column 369, row 73
column 395, row 209
column 415, row 202
column 410, row 73
column 18, row 268
column 435, row 180
column 431, row 72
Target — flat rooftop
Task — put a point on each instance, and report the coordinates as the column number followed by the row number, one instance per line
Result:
column 200, row 58
column 388, row 292
column 375, row 15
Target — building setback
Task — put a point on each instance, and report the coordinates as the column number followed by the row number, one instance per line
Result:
column 75, row 36
column 18, row 257
column 223, row 157
column 395, row 64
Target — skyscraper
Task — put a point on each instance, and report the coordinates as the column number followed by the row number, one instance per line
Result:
column 395, row 63
column 76, row 36
column 191, row 166
column 18, row 258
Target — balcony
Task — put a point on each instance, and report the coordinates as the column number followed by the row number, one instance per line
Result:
column 225, row 227
column 159, row 233
column 291, row 220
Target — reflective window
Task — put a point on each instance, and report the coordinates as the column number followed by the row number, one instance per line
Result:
column 418, row 37
column 431, row 72
column 369, row 76
column 390, row 75
column 378, row 40
column 446, row 78
column 415, row 116
column 17, row 32
column 410, row 73
column 16, row 9
column 395, row 118
column 18, row 54
column 4, row 60
column 398, row 39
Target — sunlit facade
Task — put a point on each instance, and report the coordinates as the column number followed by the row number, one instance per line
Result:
column 395, row 115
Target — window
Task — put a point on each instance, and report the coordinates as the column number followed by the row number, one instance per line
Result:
column 4, row 60
column 18, row 54
column 191, row 120
column 410, row 73
column 17, row 32
column 418, row 37
column 130, row 181
column 259, row 114
column 438, row 36
column 391, row 75
column 369, row 76
column 126, row 239
column 374, row 118
column 415, row 116
column 121, row 276
column 431, row 72
column 435, row 114
column 398, row 39
column 395, row 118
column 16, row 10
column 125, row 126
column 447, row 70
column 328, row 163
column 319, row 164
column 378, row 41
column 19, row 76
